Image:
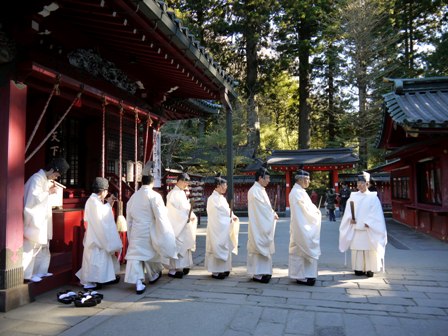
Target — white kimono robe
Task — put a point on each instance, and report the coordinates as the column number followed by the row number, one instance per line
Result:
column 304, row 243
column 150, row 234
column 184, row 229
column 38, row 225
column 262, row 222
column 222, row 234
column 101, row 241
column 368, row 245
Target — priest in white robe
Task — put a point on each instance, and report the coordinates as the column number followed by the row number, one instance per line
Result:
column 261, row 229
column 38, row 220
column 222, row 232
column 101, row 240
column 363, row 230
column 184, row 223
column 305, row 224
column 150, row 236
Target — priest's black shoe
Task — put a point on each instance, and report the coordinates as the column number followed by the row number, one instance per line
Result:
column 140, row 290
column 156, row 279
column 369, row 274
column 186, row 271
column 359, row 273
column 219, row 276
column 177, row 275
column 308, row 282
column 227, row 273
column 264, row 278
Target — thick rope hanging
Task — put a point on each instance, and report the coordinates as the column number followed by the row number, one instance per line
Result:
column 55, row 91
column 121, row 220
column 77, row 98
column 103, row 139
column 148, row 125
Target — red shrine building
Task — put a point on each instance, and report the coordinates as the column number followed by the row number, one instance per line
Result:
column 93, row 82
column 415, row 133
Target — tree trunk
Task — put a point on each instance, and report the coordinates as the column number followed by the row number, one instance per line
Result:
column 362, row 100
column 253, row 124
column 304, row 86
column 331, row 103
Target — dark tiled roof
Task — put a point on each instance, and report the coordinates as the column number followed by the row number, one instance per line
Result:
column 309, row 157
column 419, row 103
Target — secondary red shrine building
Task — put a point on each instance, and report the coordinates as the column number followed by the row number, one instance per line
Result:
column 415, row 131
column 92, row 81
column 326, row 159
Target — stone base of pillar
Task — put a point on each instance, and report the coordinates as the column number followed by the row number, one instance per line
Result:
column 14, row 297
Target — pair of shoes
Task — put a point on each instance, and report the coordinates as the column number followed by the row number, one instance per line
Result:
column 369, row 274
column 177, row 275
column 159, row 275
column 112, row 282
column 308, row 282
column 219, row 276
column 186, row 271
column 66, row 297
column 93, row 294
column 264, row 278
column 359, row 273
column 85, row 301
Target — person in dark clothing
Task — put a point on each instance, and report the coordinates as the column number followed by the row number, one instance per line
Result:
column 344, row 194
column 331, row 204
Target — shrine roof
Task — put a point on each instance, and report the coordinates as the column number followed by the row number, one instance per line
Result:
column 418, row 106
column 330, row 157
column 419, row 103
column 140, row 47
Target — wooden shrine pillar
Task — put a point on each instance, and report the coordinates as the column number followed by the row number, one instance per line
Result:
column 335, row 179
column 13, row 97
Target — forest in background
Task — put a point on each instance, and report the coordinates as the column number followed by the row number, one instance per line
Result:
column 310, row 74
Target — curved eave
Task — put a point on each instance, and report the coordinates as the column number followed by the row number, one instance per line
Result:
column 165, row 21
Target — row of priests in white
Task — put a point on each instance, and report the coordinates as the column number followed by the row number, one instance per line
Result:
column 363, row 229
column 222, row 232
column 305, row 224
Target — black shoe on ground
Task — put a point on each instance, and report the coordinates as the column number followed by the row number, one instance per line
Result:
column 177, row 275
column 186, row 271
column 157, row 279
column 264, row 278
column 369, row 274
column 219, row 276
column 227, row 273
column 141, row 291
column 359, row 273
column 308, row 282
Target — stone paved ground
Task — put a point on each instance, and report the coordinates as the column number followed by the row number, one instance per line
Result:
column 410, row 298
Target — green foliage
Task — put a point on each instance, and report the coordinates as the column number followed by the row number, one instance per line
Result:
column 316, row 54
